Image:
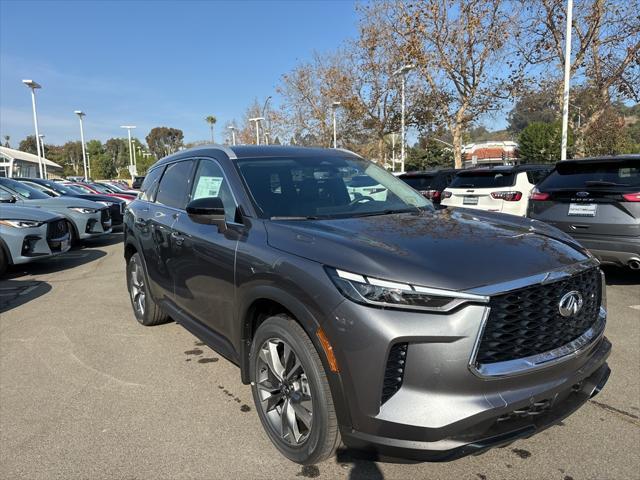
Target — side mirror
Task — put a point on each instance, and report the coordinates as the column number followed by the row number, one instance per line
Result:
column 208, row 211
column 6, row 197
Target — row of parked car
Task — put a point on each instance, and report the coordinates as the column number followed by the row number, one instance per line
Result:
column 596, row 201
column 40, row 218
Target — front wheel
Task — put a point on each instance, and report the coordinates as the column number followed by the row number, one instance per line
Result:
column 291, row 392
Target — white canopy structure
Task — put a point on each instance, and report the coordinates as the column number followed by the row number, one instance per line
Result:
column 15, row 163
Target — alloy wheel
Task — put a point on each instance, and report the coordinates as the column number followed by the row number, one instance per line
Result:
column 284, row 391
column 137, row 289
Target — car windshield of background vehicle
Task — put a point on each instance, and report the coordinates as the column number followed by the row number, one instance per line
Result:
column 324, row 188
column 594, row 175
column 422, row 182
column 483, row 180
column 25, row 191
column 80, row 189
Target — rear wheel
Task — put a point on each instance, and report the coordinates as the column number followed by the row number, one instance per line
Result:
column 146, row 310
column 291, row 392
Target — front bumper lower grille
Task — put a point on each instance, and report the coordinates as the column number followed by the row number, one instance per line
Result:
column 57, row 233
column 527, row 322
column 105, row 218
column 394, row 371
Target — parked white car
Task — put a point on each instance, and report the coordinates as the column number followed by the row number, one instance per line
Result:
column 495, row 189
column 365, row 186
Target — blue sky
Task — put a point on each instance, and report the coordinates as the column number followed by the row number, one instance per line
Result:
column 152, row 63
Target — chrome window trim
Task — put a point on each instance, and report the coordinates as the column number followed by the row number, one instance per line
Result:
column 539, row 278
column 536, row 362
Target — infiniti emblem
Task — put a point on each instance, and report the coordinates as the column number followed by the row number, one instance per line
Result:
column 570, row 303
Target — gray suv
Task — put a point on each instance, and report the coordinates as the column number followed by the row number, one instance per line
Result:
column 403, row 331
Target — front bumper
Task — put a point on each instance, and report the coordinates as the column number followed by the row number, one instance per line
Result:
column 94, row 225
column 442, row 409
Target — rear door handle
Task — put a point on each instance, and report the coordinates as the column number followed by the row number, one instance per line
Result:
column 141, row 222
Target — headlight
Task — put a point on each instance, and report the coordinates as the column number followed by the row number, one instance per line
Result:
column 84, row 209
column 21, row 223
column 108, row 204
column 383, row 293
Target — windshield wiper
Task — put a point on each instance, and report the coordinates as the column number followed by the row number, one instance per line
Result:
column 293, row 218
column 604, row 183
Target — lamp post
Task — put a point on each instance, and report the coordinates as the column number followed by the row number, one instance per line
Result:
column 402, row 71
column 44, row 156
column 33, row 86
column 393, row 151
column 233, row 134
column 567, row 76
column 257, row 121
column 135, row 160
column 131, row 164
column 267, row 123
column 81, row 114
column 334, row 107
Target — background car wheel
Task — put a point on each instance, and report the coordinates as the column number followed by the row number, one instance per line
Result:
column 146, row 310
column 4, row 262
column 291, row 392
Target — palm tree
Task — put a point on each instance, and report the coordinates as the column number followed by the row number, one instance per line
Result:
column 211, row 120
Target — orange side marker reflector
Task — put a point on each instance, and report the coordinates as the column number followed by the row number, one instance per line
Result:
column 328, row 350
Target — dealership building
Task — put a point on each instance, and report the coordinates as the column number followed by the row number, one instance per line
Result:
column 15, row 163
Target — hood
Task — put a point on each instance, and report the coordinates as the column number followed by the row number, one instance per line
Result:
column 55, row 203
column 455, row 249
column 96, row 197
column 11, row 212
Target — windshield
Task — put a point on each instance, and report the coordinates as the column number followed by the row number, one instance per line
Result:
column 594, row 175
column 80, row 189
column 101, row 188
column 488, row 179
column 25, row 191
column 322, row 188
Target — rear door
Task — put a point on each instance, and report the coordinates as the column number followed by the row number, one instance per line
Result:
column 593, row 198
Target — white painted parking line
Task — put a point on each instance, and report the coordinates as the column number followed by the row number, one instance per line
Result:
column 635, row 307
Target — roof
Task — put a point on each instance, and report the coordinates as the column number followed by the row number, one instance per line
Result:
column 606, row 158
column 257, row 151
column 428, row 172
column 505, row 169
column 25, row 157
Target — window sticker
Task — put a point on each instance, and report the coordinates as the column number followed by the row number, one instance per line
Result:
column 207, row 187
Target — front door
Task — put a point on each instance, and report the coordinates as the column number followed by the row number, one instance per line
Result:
column 204, row 258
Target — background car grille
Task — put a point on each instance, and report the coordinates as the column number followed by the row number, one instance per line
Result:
column 527, row 322
column 56, row 229
column 105, row 217
column 394, row 372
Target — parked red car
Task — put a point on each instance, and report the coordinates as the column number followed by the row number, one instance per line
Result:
column 93, row 188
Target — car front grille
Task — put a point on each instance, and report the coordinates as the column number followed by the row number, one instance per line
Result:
column 105, row 218
column 394, row 371
column 56, row 229
column 527, row 322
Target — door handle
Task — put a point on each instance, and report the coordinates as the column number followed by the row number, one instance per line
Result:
column 140, row 222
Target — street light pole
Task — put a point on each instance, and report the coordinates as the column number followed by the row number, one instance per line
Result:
column 335, row 106
column 567, row 74
column 44, row 155
column 33, row 86
column 393, row 151
column 81, row 114
column 402, row 71
column 267, row 123
column 131, row 164
column 257, row 121
column 233, row 134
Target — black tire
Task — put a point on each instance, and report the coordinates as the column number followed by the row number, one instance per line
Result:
column 322, row 436
column 150, row 314
column 74, row 241
column 4, row 262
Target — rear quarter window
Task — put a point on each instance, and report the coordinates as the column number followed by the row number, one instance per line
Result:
column 150, row 184
column 575, row 175
column 536, row 176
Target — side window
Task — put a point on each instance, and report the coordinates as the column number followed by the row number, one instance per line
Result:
column 175, row 185
column 210, row 182
column 536, row 176
column 150, row 184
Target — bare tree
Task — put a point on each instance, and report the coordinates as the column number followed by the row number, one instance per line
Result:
column 605, row 59
column 459, row 48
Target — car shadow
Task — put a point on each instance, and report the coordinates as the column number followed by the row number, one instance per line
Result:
column 363, row 466
column 621, row 276
column 104, row 241
column 70, row 259
column 14, row 293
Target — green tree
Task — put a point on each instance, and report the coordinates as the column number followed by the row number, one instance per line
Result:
column 533, row 106
column 608, row 136
column 211, row 120
column 6, row 141
column 428, row 154
column 164, row 141
column 29, row 145
column 540, row 142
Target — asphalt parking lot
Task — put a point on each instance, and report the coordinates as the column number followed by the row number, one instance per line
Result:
column 86, row 392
